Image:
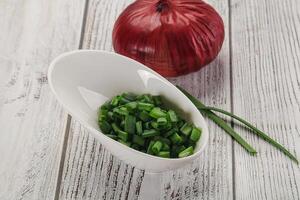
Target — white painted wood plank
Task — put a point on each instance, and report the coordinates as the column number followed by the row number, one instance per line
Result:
column 90, row 172
column 266, row 80
column 31, row 121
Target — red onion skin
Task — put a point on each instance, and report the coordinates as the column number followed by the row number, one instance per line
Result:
column 173, row 37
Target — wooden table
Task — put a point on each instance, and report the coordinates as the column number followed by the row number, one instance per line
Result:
column 44, row 154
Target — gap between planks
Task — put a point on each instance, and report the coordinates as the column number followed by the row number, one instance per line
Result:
column 69, row 117
column 231, row 97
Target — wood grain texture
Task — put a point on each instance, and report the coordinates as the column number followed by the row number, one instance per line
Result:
column 266, row 90
column 210, row 177
column 32, row 123
column 90, row 172
column 93, row 173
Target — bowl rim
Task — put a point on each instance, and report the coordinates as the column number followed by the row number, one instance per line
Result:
column 95, row 131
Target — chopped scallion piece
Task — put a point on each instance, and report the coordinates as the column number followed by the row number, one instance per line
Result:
column 139, row 127
column 164, row 154
column 187, row 152
column 186, row 129
column 176, row 139
column 157, row 113
column 150, row 133
column 195, row 135
column 130, row 124
column 157, row 146
column 172, row 116
column 138, row 140
column 145, row 106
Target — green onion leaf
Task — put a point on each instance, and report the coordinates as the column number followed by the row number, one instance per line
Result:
column 257, row 131
column 220, row 122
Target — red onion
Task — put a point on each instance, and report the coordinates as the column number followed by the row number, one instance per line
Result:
column 173, row 37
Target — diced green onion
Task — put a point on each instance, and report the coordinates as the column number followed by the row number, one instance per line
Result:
column 105, row 106
column 112, row 132
column 172, row 116
column 162, row 121
column 139, row 127
column 144, row 116
column 157, row 146
column 157, row 113
column 102, row 115
column 122, row 124
column 145, row 124
column 149, row 149
column 154, row 125
column 138, row 140
column 178, row 149
column 170, row 132
column 121, row 111
column 130, row 96
column 166, row 127
column 131, row 106
column 186, row 129
column 150, row 133
column 187, row 152
column 115, row 127
column 115, row 101
column 165, row 147
column 195, row 135
column 176, row 139
column 157, row 100
column 123, row 135
column 110, row 115
column 162, row 139
column 180, row 124
column 148, row 98
column 123, row 100
column 164, row 154
column 145, row 106
column 130, row 124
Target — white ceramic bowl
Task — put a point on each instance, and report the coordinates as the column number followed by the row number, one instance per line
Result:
column 83, row 80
